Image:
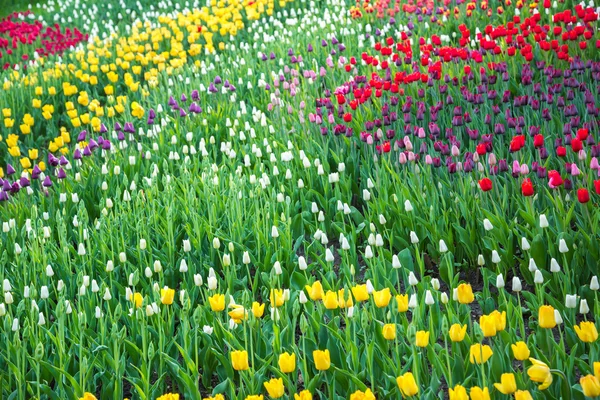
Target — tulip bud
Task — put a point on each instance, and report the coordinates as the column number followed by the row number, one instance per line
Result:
column 408, row 206
column 396, row 262
column 444, row 298
column 571, row 301
column 329, row 256
column 516, row 285
column 350, row 312
column 109, row 266
column 412, row 301
column 302, row 298
column 532, row 265
column 480, row 260
column 543, row 221
column 412, row 279
column 60, row 285
column 212, row 282
column 562, row 246
column 107, row 295
column 302, row 263
column 499, row 281
column 368, row 252
column 370, row 287
column 487, row 225
column 583, row 307
column 435, row 283
column 41, row 319
column 198, row 280
column 554, row 267
column 429, row 298
column 495, row 257
column 538, row 278
column 15, row 325
column 122, row 257
column 157, row 266
column 183, row 267
column 207, row 329
column 216, row 243
column 413, row 238
column 277, row 268
column 226, row 260
column 594, row 283
column 143, row 244
column 187, row 247
column 2, row 310
column 525, row 244
column 246, row 258
column 382, row 219
column 557, row 317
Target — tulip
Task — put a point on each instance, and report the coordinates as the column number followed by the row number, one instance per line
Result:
column 546, row 317
column 590, row 385
column 315, row 292
column 458, row 393
column 488, row 325
column 523, row 395
column 382, row 297
column 239, row 360
column 465, row 293
column 330, row 301
column 389, row 331
column 166, row 296
column 507, row 384
column 402, row 301
column 480, row 394
column 457, row 332
column 520, row 351
column 275, row 388
column 360, row 395
column 480, row 354
column 137, row 299
column 303, row 395
column 360, row 293
column 422, row 338
column 540, row 372
column 238, row 314
column 88, row 396
column 322, row 359
column 276, row 297
column 287, row 362
column 217, row 302
column 587, row 332
column 407, row 384
column 485, row 184
column 258, row 309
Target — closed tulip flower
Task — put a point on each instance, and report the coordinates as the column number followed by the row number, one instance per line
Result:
column 465, row 293
column 523, row 395
column 238, row 314
column 217, row 302
column 499, row 319
column 287, row 362
column 457, row 332
column 507, row 384
column 422, row 338
column 479, row 394
column 540, row 372
column 322, row 359
column 258, row 309
column 360, row 395
column 330, row 301
column 520, row 351
column 458, row 393
column 166, row 295
column 407, row 385
column 382, row 297
column 402, row 301
column 546, row 317
column 137, row 299
column 315, row 292
column 275, row 388
column 597, row 369
column 88, row 396
column 480, row 354
column 590, row 385
column 360, row 293
column 389, row 331
column 277, row 297
column 488, row 325
column 239, row 360
column 587, row 332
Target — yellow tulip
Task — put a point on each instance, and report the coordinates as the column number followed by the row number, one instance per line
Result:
column 25, row 163
column 341, row 299
column 389, row 331
column 360, row 395
column 488, row 325
column 217, row 302
column 523, row 395
column 465, row 293
column 33, row 154
column 597, row 369
column 303, row 395
column 546, row 317
column 137, row 300
column 331, row 300
column 499, row 319
column 458, row 393
column 479, row 394
column 239, row 360
column 255, row 397
column 6, row 112
column 480, row 354
column 382, row 297
column 407, row 384
column 540, row 372
column 422, row 338
column 215, row 397
column 457, row 332
column 167, row 295
column 276, row 297
column 88, row 396
column 275, row 388
column 520, row 351
column 315, row 292
column 360, row 293
column 169, row 396
column 258, row 309
column 586, row 330
column 590, row 385
column 14, row 151
column 287, row 362
column 402, row 301
column 507, row 385
column 238, row 313
column 322, row 359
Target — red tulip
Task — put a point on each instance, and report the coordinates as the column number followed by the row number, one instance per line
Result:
column 582, row 134
column 555, row 180
column 561, row 151
column 597, row 186
column 576, row 145
column 485, row 184
column 583, row 195
column 527, row 188
column 538, row 141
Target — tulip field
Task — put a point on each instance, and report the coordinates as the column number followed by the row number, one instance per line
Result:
column 299, row 199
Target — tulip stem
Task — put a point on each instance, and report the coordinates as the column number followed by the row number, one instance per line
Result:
column 522, row 323
column 448, row 362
